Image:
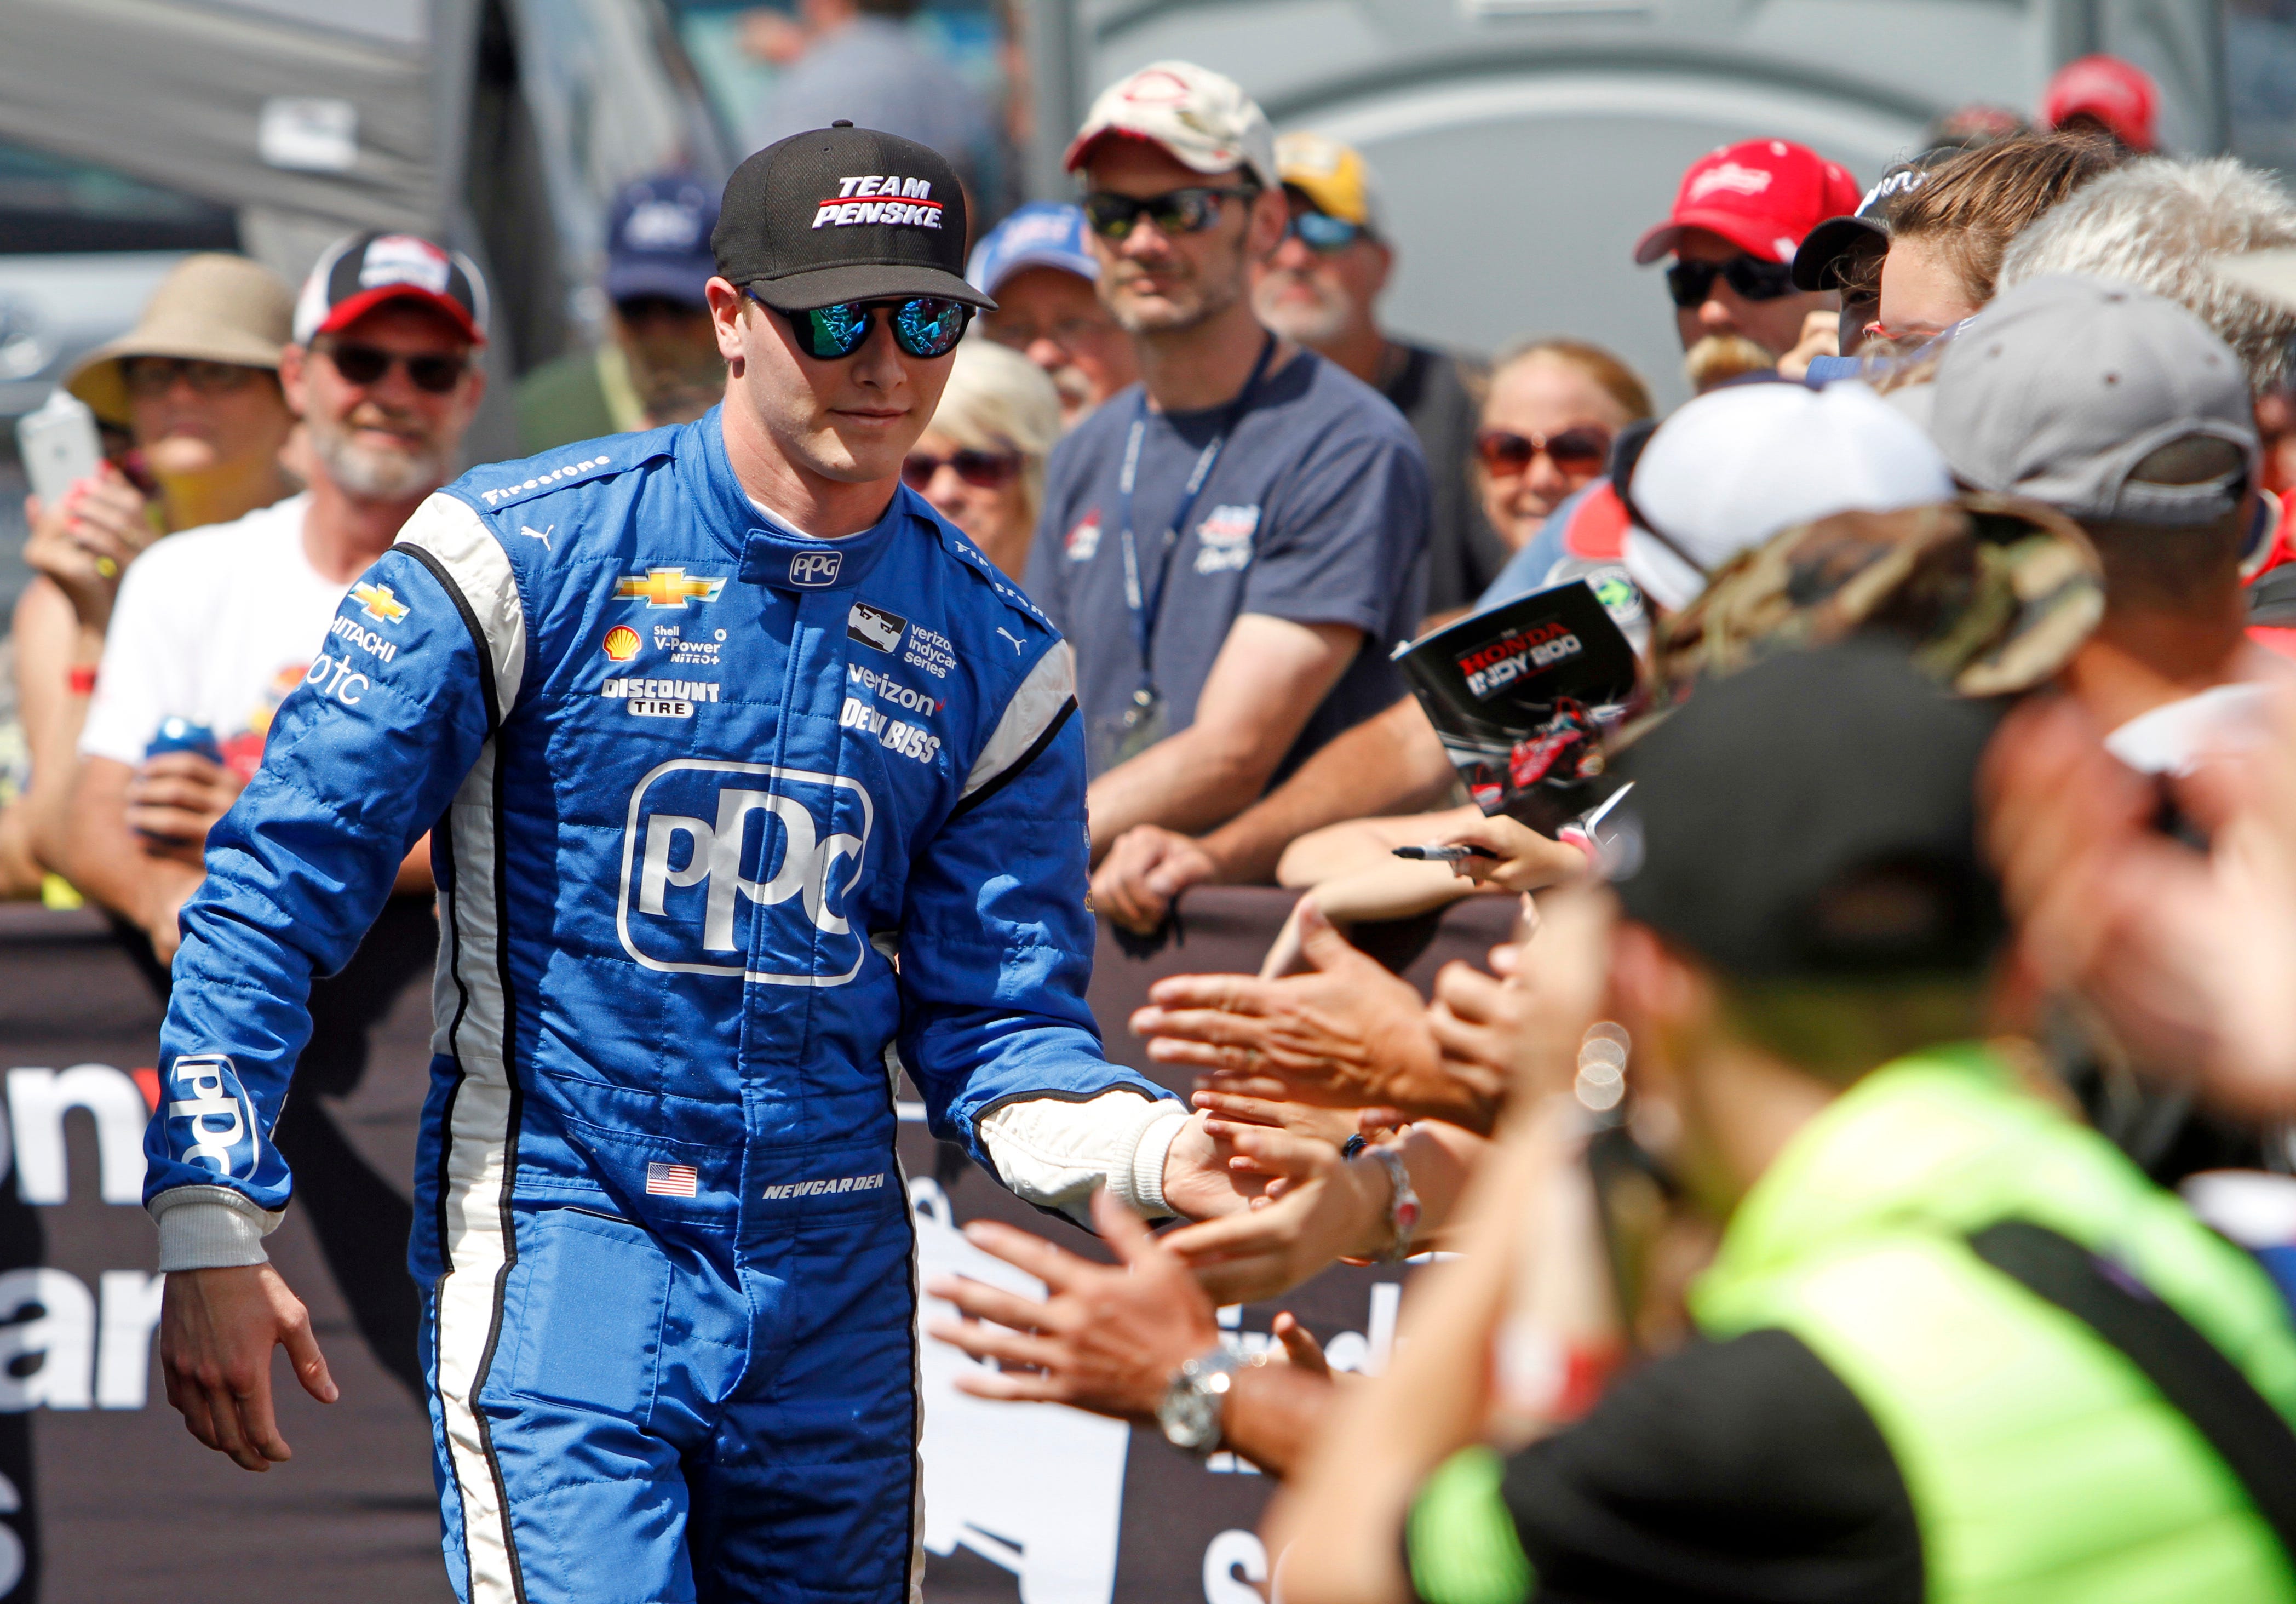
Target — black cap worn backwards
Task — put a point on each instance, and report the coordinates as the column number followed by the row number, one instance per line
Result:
column 1828, row 250
column 1815, row 814
column 843, row 214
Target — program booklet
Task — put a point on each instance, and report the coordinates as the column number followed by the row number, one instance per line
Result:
column 1522, row 696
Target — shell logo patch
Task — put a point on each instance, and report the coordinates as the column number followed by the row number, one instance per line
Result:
column 621, row 643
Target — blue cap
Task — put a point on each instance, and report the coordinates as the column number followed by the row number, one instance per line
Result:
column 1043, row 234
column 657, row 240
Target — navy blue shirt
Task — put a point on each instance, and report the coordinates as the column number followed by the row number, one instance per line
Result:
column 1316, row 513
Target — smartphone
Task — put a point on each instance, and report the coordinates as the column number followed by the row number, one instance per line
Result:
column 60, row 444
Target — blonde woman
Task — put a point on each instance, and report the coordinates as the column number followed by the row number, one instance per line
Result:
column 1552, row 408
column 981, row 463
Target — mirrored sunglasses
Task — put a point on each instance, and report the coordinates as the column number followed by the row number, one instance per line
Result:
column 924, row 327
column 1323, row 233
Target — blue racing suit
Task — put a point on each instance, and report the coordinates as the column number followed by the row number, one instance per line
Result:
column 729, row 825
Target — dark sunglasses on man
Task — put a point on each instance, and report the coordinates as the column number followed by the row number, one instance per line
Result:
column 924, row 327
column 1578, row 453
column 429, row 371
column 1189, row 211
column 149, row 378
column 982, row 470
column 1754, row 279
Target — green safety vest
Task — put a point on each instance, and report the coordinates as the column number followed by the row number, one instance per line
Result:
column 2042, row 1465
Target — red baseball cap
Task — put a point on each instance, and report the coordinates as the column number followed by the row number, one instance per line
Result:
column 361, row 271
column 2118, row 94
column 1761, row 194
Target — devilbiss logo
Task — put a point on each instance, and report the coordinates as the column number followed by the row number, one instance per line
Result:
column 879, row 198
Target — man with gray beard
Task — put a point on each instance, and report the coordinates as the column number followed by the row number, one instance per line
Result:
column 215, row 626
column 1321, row 288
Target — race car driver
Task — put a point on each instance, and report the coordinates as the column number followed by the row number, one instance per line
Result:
column 751, row 783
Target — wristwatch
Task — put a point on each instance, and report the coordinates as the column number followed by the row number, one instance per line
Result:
column 1194, row 1400
column 1402, row 1205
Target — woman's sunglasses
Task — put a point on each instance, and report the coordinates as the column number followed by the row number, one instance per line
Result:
column 1691, row 282
column 924, row 327
column 149, row 376
column 982, row 470
column 1189, row 211
column 367, row 364
column 1579, row 452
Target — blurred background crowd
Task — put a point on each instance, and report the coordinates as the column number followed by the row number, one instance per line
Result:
column 1868, row 1165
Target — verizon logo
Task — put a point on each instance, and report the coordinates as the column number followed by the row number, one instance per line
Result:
column 824, row 1189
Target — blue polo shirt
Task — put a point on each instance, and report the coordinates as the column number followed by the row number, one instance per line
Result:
column 1316, row 512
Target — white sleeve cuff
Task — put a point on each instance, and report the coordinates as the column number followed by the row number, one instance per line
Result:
column 210, row 1228
column 1143, row 1188
column 1055, row 1154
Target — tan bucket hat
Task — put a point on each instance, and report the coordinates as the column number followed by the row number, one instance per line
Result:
column 211, row 308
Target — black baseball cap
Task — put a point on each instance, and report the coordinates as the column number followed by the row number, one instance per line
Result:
column 1815, row 814
column 842, row 214
column 1830, row 248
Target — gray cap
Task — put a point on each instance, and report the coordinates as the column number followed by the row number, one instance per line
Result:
column 2060, row 388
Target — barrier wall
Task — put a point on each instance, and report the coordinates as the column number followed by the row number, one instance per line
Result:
column 104, row 1496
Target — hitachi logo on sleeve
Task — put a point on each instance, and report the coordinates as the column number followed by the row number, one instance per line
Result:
column 824, row 1189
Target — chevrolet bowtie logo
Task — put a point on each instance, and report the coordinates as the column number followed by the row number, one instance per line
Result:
column 379, row 603
column 667, row 588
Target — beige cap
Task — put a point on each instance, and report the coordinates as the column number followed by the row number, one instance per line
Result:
column 1204, row 120
column 210, row 308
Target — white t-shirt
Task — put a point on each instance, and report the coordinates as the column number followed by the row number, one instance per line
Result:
column 215, row 625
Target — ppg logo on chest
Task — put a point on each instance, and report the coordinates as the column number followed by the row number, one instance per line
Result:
column 816, row 570
column 710, row 849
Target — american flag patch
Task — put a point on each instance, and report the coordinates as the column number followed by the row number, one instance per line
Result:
column 671, row 1181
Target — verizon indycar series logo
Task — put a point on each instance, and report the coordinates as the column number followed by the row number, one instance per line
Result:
column 210, row 1120
column 874, row 627
column 1490, row 669
column 710, row 849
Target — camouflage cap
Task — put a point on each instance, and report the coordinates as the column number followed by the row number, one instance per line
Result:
column 1993, row 594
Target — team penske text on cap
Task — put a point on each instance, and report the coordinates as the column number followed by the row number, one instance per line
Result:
column 1762, row 195
column 359, row 272
column 842, row 214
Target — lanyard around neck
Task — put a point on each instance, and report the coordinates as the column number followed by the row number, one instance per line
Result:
column 1147, row 605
